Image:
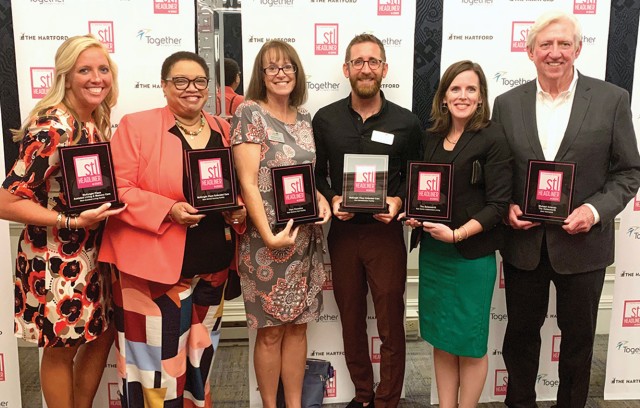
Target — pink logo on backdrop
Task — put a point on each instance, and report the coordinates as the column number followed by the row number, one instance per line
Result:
column 519, row 33
column 41, row 79
column 584, row 6
column 389, row 7
column 555, row 348
column 636, row 202
column 326, row 39
column 103, row 30
column 210, row 174
column 375, row 349
column 293, row 186
column 500, row 382
column 328, row 283
column 365, row 179
column 166, row 7
column 429, row 186
column 549, row 186
column 332, row 386
column 501, row 276
column 114, row 396
column 88, row 173
column 2, row 373
column 631, row 316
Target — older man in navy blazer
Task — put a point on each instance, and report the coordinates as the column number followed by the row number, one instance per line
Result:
column 569, row 117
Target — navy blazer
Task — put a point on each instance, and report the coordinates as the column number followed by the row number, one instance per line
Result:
column 486, row 201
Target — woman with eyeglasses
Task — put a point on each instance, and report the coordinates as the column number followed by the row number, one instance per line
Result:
column 172, row 261
column 281, row 269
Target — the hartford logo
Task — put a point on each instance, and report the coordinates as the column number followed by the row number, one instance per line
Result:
column 114, row 396
column 555, row 348
column 103, row 31
column 166, row 7
column 389, row 7
column 584, row 6
column 375, row 349
column 41, row 79
column 326, row 39
column 500, row 382
column 622, row 346
column 519, row 33
column 631, row 316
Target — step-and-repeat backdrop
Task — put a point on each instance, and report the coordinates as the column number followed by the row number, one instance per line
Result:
column 320, row 31
column 500, row 49
column 623, row 358
column 139, row 34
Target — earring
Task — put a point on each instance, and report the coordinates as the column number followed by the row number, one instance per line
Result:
column 444, row 109
column 479, row 108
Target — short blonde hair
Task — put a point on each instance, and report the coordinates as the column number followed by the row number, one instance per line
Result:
column 66, row 57
column 550, row 17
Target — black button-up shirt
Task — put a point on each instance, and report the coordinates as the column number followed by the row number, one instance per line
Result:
column 338, row 129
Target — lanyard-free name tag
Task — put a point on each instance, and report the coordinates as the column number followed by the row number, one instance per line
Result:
column 275, row 136
column 382, row 137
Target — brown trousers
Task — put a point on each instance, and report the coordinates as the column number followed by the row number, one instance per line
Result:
column 373, row 254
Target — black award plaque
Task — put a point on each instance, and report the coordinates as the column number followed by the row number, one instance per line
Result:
column 364, row 183
column 88, row 177
column 429, row 189
column 212, row 179
column 548, row 194
column 294, row 189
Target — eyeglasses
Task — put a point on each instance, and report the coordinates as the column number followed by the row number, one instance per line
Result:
column 272, row 70
column 182, row 83
column 373, row 63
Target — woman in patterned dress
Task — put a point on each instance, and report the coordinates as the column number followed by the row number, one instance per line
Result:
column 61, row 297
column 281, row 270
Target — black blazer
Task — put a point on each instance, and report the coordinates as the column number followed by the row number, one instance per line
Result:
column 486, row 201
column 601, row 141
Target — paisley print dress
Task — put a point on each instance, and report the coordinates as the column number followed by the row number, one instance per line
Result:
column 60, row 294
column 285, row 285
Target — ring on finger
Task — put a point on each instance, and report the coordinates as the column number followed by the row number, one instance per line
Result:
column 193, row 225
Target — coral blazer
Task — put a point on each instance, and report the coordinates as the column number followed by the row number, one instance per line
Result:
column 148, row 162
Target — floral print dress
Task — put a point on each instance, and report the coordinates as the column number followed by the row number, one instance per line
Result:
column 60, row 294
column 285, row 285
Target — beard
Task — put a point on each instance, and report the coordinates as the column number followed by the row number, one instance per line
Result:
column 366, row 91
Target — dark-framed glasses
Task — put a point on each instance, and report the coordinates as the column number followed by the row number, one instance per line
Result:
column 272, row 70
column 373, row 63
column 182, row 83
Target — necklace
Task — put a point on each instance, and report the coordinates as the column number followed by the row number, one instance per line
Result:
column 453, row 143
column 189, row 133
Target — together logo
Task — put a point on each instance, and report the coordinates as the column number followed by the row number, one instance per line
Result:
column 163, row 41
column 166, row 7
column 622, row 346
column 519, row 33
column 41, row 79
column 631, row 313
column 103, row 30
column 276, row 3
column 501, row 78
column 326, row 39
column 501, row 317
column 633, row 232
column 389, row 7
column 584, row 6
column 323, row 86
column 542, row 379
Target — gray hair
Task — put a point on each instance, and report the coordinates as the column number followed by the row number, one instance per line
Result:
column 550, row 17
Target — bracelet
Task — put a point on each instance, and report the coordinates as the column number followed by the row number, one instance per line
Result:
column 453, row 236
column 58, row 220
column 67, row 221
column 75, row 223
column 457, row 236
column 465, row 231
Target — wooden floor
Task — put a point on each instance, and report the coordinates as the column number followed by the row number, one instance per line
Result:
column 230, row 381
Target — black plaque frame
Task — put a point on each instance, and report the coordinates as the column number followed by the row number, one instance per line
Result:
column 552, row 204
column 362, row 201
column 301, row 206
column 432, row 204
column 216, row 193
column 88, row 177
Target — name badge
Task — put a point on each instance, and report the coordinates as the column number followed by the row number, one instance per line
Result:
column 275, row 136
column 382, row 137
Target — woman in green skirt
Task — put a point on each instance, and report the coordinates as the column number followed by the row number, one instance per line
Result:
column 457, row 258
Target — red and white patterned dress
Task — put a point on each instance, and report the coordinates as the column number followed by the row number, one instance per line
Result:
column 60, row 294
column 284, row 285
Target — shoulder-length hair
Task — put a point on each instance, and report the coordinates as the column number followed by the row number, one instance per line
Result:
column 257, row 90
column 441, row 118
column 66, row 57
